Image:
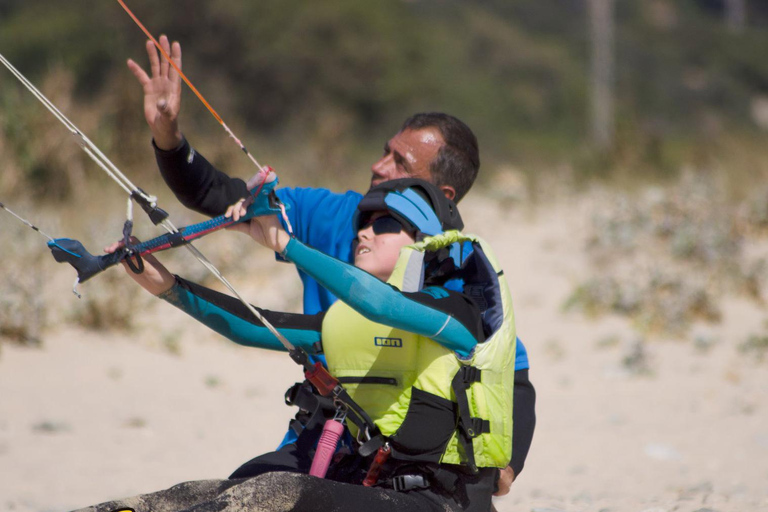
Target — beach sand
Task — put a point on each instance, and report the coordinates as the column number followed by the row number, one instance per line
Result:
column 93, row 416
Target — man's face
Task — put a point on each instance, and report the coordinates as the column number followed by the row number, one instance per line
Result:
column 408, row 155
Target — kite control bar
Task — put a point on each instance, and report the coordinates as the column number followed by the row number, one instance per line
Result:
column 66, row 250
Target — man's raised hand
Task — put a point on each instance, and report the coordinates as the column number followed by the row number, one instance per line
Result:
column 162, row 93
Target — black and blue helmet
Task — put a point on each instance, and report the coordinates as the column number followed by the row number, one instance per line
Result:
column 416, row 203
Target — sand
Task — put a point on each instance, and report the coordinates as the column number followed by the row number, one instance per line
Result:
column 93, row 416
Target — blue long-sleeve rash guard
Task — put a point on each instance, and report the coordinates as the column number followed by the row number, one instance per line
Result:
column 321, row 219
column 448, row 317
column 230, row 318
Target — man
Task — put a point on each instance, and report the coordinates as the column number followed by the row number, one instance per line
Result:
column 435, row 147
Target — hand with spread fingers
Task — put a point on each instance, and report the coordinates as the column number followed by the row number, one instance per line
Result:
column 162, row 93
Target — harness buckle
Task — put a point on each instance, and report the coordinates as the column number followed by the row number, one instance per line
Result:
column 403, row 483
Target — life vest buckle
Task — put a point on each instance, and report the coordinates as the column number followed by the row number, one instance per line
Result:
column 470, row 374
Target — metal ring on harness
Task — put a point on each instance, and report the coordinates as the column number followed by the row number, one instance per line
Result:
column 364, row 435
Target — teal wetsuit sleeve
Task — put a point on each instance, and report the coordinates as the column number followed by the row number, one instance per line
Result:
column 381, row 302
column 230, row 318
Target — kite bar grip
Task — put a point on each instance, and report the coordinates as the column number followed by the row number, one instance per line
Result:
column 66, row 250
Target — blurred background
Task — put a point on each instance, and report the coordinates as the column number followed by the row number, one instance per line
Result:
column 623, row 182
column 593, row 87
column 562, row 94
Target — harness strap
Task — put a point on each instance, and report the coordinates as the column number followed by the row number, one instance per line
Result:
column 314, row 411
column 447, row 480
column 360, row 418
column 300, row 395
column 328, row 386
column 469, row 427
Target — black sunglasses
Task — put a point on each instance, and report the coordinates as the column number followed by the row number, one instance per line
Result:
column 385, row 224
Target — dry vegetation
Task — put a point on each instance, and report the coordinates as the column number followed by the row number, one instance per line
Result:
column 668, row 256
column 22, row 310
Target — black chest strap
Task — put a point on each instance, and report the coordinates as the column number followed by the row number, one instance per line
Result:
column 469, row 427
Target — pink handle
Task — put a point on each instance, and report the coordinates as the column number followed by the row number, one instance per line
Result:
column 326, row 447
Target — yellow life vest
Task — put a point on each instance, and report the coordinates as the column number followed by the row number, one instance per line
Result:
column 431, row 405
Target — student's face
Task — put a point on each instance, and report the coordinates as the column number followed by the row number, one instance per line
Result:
column 378, row 253
column 408, row 155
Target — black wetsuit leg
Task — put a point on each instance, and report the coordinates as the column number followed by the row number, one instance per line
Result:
column 524, row 420
column 289, row 458
column 284, row 492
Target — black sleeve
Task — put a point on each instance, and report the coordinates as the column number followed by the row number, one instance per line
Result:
column 455, row 304
column 197, row 184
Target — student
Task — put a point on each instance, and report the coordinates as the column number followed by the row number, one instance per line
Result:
column 430, row 365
